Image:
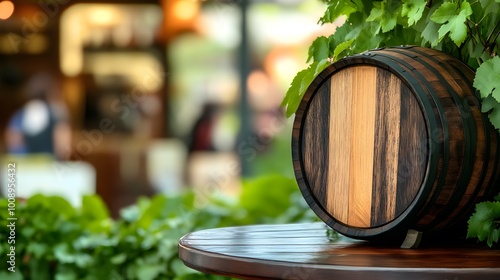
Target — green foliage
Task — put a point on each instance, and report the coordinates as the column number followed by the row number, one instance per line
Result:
column 453, row 16
column 488, row 78
column 300, row 83
column 484, row 224
column 263, row 198
column 381, row 14
column 413, row 10
column 56, row 241
column 266, row 161
column 338, row 8
column 468, row 30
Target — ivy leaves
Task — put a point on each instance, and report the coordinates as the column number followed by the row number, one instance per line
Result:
column 485, row 222
column 453, row 17
column 413, row 10
column 300, row 84
column 383, row 13
column 338, row 8
column 319, row 49
column 322, row 52
column 487, row 81
column 468, row 30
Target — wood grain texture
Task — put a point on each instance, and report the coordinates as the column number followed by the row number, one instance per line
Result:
column 413, row 151
column 407, row 144
column 303, row 251
column 477, row 146
column 316, row 135
column 386, row 146
column 363, row 84
column 453, row 137
column 340, row 138
column 365, row 122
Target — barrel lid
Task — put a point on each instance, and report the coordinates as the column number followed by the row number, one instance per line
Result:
column 361, row 142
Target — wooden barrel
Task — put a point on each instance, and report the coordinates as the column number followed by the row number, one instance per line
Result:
column 394, row 139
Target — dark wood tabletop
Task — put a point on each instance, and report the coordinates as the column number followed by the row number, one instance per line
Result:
column 306, row 252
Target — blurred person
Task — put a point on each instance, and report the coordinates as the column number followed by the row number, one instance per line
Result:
column 41, row 125
column 202, row 134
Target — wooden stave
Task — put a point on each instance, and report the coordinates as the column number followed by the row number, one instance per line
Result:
column 450, row 191
column 427, row 91
column 443, row 220
column 457, row 197
column 491, row 154
column 484, row 145
column 405, row 220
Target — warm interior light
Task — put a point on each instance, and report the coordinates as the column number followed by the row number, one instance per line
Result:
column 142, row 69
column 71, row 51
column 6, row 9
column 104, row 15
column 282, row 64
column 185, row 9
column 38, row 44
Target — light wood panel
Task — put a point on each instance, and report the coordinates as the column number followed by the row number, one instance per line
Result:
column 363, row 145
column 363, row 84
column 340, row 146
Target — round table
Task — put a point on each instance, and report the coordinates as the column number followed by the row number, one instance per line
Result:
column 304, row 251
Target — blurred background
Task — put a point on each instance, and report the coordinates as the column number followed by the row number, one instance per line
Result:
column 133, row 98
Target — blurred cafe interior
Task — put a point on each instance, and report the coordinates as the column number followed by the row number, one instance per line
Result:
column 131, row 98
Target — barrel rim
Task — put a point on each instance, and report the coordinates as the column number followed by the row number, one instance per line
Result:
column 469, row 129
column 445, row 149
column 407, row 216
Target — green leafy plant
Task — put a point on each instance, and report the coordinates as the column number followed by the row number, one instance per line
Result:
column 468, row 30
column 485, row 222
column 54, row 240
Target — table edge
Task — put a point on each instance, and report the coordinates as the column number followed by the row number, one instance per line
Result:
column 247, row 268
